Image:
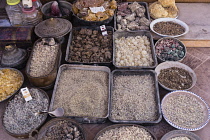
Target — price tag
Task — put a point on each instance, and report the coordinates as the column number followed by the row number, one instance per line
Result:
column 103, row 30
column 27, row 3
column 26, row 94
column 97, row 9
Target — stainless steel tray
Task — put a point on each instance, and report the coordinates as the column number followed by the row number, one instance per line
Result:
column 119, row 34
column 147, row 15
column 109, row 28
column 83, row 119
column 157, row 98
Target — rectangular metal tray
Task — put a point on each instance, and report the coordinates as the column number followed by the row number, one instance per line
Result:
column 82, row 119
column 136, row 72
column 147, row 15
column 109, row 28
column 119, row 34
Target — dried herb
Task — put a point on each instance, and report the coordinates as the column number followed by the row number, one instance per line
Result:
column 63, row 130
column 169, row 28
column 175, row 78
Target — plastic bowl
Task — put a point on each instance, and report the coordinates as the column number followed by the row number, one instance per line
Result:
column 183, row 24
column 180, row 43
column 180, row 133
column 169, row 64
column 205, row 109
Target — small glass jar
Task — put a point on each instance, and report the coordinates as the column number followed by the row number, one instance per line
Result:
column 14, row 12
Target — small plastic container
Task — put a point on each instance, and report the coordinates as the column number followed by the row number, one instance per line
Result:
column 31, row 16
column 14, row 12
column 47, row 80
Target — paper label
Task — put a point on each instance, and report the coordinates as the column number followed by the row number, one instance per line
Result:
column 97, row 9
column 103, row 30
column 26, row 94
column 27, row 3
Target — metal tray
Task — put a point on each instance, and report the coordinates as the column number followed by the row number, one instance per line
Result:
column 119, row 34
column 147, row 15
column 83, row 119
column 109, row 28
column 121, row 125
column 130, row 73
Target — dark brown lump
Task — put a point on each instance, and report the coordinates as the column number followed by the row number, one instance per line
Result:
column 90, row 46
column 175, row 78
column 63, row 129
column 169, row 28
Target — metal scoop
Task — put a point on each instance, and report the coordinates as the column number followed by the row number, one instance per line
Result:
column 59, row 112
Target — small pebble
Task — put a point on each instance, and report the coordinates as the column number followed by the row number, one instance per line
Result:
column 172, row 48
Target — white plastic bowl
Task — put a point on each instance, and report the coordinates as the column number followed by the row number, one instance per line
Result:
column 205, row 107
column 183, row 24
column 169, row 64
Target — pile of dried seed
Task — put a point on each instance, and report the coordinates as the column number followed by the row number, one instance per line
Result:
column 19, row 116
column 184, row 110
column 169, row 28
column 133, row 98
column 180, row 138
column 44, row 57
column 90, row 46
column 133, row 51
column 82, row 93
column 175, row 78
column 64, row 130
column 126, row 133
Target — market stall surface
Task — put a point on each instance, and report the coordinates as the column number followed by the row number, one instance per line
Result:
column 197, row 58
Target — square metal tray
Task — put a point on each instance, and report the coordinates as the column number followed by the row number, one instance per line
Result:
column 109, row 28
column 157, row 97
column 83, row 119
column 119, row 34
column 147, row 15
